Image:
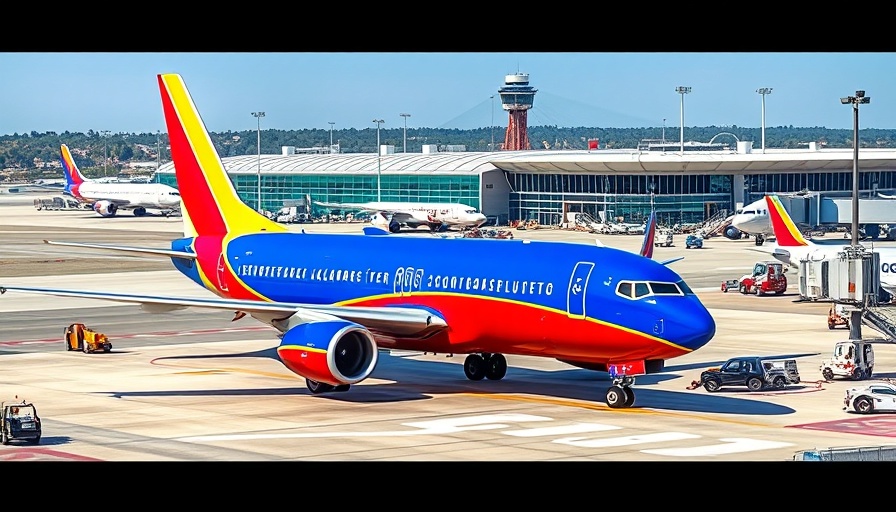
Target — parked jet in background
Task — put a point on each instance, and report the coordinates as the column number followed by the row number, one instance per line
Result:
column 792, row 248
column 108, row 198
column 337, row 299
column 753, row 220
column 437, row 216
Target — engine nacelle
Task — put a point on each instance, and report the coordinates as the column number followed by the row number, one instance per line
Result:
column 333, row 352
column 732, row 233
column 105, row 208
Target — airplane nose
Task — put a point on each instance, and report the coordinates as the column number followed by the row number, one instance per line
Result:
column 697, row 327
column 480, row 219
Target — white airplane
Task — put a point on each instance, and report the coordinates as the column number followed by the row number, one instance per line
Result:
column 107, row 198
column 791, row 247
column 390, row 216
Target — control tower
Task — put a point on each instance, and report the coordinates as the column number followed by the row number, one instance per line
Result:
column 517, row 97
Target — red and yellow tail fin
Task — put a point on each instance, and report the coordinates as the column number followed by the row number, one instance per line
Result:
column 73, row 177
column 786, row 232
column 210, row 202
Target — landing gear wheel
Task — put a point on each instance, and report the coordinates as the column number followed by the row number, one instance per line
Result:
column 828, row 374
column 629, row 396
column 317, row 388
column 754, row 383
column 616, row 397
column 474, row 367
column 495, row 367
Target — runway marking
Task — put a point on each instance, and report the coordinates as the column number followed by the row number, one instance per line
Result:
column 731, row 445
column 500, row 421
column 32, row 454
column 883, row 426
column 625, row 440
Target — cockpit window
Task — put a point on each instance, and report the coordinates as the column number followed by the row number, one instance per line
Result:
column 639, row 289
column 665, row 289
column 685, row 288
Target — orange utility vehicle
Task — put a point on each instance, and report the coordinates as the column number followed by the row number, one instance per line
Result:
column 80, row 337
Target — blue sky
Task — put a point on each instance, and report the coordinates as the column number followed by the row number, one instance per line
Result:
column 118, row 92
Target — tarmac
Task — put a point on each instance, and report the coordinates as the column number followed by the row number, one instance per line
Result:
column 193, row 385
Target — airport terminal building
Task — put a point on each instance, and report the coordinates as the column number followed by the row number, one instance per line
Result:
column 689, row 186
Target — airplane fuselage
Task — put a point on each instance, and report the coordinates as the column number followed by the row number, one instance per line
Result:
column 527, row 298
column 128, row 195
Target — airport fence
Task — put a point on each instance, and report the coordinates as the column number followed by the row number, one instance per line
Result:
column 856, row 454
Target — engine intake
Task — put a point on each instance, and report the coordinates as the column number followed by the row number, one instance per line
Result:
column 105, row 208
column 334, row 352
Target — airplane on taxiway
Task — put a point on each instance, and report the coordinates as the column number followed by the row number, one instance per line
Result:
column 391, row 216
column 108, row 198
column 791, row 247
column 338, row 299
column 752, row 219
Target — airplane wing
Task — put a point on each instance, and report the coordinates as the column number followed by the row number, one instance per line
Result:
column 397, row 321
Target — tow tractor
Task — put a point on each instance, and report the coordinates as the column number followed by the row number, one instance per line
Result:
column 853, row 359
column 81, row 337
column 767, row 277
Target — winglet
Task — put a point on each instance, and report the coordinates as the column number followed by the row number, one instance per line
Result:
column 649, row 234
column 786, row 232
column 209, row 198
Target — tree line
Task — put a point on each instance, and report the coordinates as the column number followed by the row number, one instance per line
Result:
column 102, row 153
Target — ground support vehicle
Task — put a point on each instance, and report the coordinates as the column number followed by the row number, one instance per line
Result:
column 767, row 277
column 80, row 337
column 852, row 359
column 693, row 241
column 754, row 372
column 19, row 422
column 873, row 397
column 837, row 315
column 663, row 238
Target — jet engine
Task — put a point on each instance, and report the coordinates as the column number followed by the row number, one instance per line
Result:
column 105, row 208
column 732, row 233
column 334, row 352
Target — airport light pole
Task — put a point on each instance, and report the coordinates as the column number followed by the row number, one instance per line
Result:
column 258, row 116
column 405, row 147
column 682, row 90
column 855, row 101
column 493, row 121
column 158, row 150
column 763, row 91
column 855, row 316
column 331, row 123
column 105, row 150
column 378, row 154
column 664, row 134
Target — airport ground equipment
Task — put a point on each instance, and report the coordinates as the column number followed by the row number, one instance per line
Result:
column 872, row 397
column 852, row 359
column 837, row 316
column 754, row 372
column 80, row 337
column 19, row 422
column 663, row 238
column 767, row 277
column 693, row 241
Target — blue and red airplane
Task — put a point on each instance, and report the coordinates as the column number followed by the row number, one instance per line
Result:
column 338, row 299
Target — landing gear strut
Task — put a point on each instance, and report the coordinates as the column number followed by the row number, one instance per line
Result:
column 620, row 393
column 490, row 366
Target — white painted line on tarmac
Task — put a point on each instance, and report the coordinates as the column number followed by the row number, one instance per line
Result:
column 731, row 445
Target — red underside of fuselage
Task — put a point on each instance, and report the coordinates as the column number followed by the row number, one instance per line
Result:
column 494, row 326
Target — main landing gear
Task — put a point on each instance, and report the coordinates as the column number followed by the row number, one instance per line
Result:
column 490, row 366
column 620, row 393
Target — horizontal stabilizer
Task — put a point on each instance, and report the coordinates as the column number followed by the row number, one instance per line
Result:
column 168, row 253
